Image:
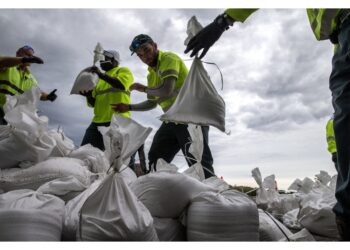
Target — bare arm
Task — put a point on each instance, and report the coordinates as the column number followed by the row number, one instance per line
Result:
column 7, row 62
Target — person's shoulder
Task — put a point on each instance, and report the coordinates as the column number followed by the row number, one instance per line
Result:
column 171, row 56
column 123, row 70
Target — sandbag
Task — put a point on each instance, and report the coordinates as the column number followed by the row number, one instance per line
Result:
column 64, row 145
column 158, row 192
column 217, row 183
column 302, row 235
column 169, row 229
column 85, row 81
column 230, row 216
column 35, row 176
column 113, row 213
column 290, row 219
column 270, row 229
column 93, row 157
column 122, row 139
column 316, row 212
column 197, row 92
column 72, row 209
column 27, row 215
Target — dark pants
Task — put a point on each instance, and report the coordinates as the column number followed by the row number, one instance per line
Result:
column 340, row 87
column 170, row 138
column 93, row 136
column 335, row 160
column 2, row 119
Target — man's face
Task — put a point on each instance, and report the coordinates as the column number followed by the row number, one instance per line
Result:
column 25, row 53
column 148, row 54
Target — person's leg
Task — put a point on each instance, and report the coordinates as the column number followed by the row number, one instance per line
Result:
column 335, row 160
column 207, row 158
column 2, row 119
column 93, row 136
column 340, row 87
column 164, row 145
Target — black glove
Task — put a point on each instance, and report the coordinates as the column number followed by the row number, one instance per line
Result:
column 32, row 59
column 52, row 96
column 95, row 70
column 208, row 36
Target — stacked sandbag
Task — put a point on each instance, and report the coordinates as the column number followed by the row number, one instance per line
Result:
column 37, row 175
column 72, row 209
column 113, row 213
column 169, row 229
column 64, row 145
column 93, row 157
column 27, row 215
column 229, row 216
column 316, row 213
column 167, row 195
column 270, row 229
column 85, row 81
column 27, row 137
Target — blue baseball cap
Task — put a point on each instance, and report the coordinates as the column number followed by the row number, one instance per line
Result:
column 138, row 41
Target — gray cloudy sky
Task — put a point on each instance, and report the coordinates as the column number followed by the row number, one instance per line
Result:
column 275, row 79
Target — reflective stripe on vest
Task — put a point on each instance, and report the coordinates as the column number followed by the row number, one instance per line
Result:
column 11, row 85
column 101, row 92
column 323, row 22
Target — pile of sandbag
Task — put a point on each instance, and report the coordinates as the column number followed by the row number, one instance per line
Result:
column 308, row 209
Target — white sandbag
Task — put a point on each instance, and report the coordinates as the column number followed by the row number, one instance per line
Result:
column 197, row 92
column 30, row 225
column 283, row 204
column 98, row 53
column 26, row 215
column 93, row 157
column 85, row 81
column 195, row 171
column 35, row 176
column 271, row 229
column 169, row 229
column 27, row 138
column 302, row 235
column 267, row 192
column 316, row 213
column 217, row 183
column 123, row 138
column 158, row 192
column 323, row 177
column 296, row 185
column 64, row 145
column 65, row 188
column 113, row 212
column 163, row 166
column 72, row 209
column 230, row 216
column 290, row 219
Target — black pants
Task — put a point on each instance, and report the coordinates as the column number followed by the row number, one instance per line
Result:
column 334, row 159
column 170, row 138
column 340, row 87
column 2, row 119
column 93, row 136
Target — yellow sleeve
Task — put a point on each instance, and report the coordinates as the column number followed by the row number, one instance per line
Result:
column 239, row 15
column 125, row 76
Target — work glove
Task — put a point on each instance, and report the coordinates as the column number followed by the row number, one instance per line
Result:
column 95, row 70
column 208, row 36
column 52, row 96
column 86, row 93
column 32, row 59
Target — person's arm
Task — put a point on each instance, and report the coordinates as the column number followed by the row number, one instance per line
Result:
column 212, row 32
column 48, row 96
column 113, row 81
column 7, row 62
column 142, row 106
column 90, row 99
column 166, row 88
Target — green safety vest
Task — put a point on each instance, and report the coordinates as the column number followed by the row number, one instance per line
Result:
column 332, row 148
column 13, row 81
column 168, row 65
column 105, row 95
column 323, row 21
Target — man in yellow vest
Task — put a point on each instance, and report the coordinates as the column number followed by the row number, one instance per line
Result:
column 332, row 24
column 166, row 75
column 15, row 77
column 113, row 86
column 332, row 148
